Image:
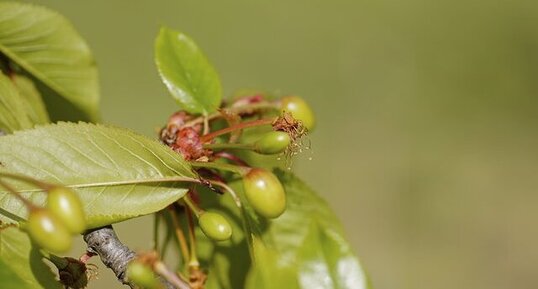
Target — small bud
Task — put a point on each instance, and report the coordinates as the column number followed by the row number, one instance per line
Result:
column 74, row 275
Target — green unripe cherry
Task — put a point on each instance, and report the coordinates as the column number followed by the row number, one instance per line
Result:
column 264, row 193
column 66, row 205
column 142, row 275
column 215, row 226
column 300, row 110
column 273, row 142
column 48, row 231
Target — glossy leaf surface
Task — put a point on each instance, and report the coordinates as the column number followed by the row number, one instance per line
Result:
column 47, row 47
column 186, row 72
column 308, row 239
column 116, row 173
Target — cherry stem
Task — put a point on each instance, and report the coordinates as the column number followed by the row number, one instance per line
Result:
column 193, row 262
column 231, row 157
column 5, row 226
column 162, row 270
column 259, row 122
column 229, row 190
column 226, row 146
column 240, row 170
column 244, row 219
column 191, row 205
column 180, row 235
column 14, row 192
column 206, row 125
column 26, row 179
column 156, row 230
column 239, row 110
column 84, row 258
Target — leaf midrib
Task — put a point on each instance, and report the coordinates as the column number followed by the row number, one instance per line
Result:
column 175, row 179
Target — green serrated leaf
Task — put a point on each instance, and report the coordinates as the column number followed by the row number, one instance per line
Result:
column 267, row 272
column 21, row 265
column 308, row 238
column 47, row 47
column 32, row 99
column 117, row 174
column 186, row 72
column 13, row 111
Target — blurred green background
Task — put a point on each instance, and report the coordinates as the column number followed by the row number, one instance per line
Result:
column 427, row 141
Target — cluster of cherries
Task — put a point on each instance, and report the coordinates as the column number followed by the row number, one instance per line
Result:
column 290, row 117
column 51, row 227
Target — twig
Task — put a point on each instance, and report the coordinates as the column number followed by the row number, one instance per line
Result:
column 114, row 254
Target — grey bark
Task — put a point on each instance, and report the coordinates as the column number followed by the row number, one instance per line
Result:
column 113, row 253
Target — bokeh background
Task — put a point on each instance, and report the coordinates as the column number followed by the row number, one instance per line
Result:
column 427, row 141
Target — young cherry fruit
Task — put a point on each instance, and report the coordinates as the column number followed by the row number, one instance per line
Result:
column 299, row 109
column 142, row 275
column 264, row 193
column 215, row 226
column 273, row 142
column 48, row 231
column 66, row 205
